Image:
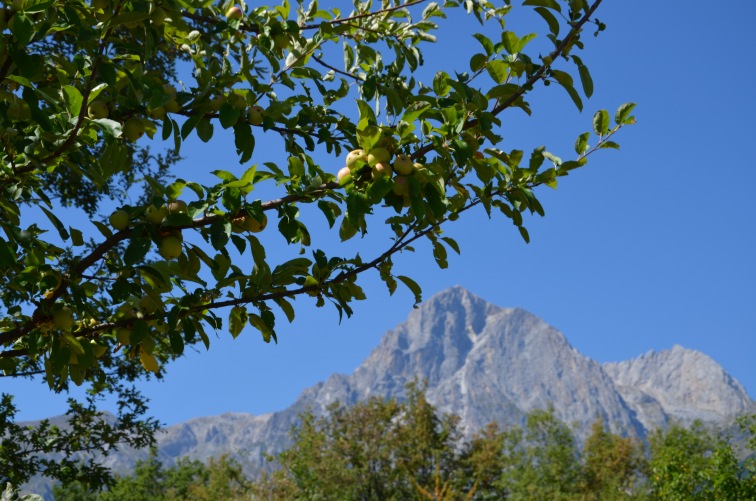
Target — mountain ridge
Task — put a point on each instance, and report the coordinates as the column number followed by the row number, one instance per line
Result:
column 484, row 363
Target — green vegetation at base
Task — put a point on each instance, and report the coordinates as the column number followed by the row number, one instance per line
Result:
column 390, row 450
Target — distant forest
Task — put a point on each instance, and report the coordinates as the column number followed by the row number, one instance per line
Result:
column 390, row 450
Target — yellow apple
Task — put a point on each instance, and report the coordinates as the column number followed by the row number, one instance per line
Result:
column 148, row 304
column 255, row 115
column 170, row 247
column 97, row 109
column 354, row 156
column 234, row 13
column 176, row 206
column 133, row 129
column 172, row 106
column 119, row 220
column 403, row 164
column 378, row 155
column 63, row 319
column 381, row 170
column 155, row 215
column 281, row 41
column 401, row 186
column 344, row 176
column 248, row 223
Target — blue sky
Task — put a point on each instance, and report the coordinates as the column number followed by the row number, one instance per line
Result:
column 647, row 247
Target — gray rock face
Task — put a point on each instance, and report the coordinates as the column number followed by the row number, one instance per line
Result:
column 483, row 363
column 678, row 384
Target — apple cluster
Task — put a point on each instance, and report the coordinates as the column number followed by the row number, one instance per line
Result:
column 171, row 241
column 378, row 160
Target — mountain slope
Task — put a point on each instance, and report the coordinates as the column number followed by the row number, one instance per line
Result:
column 483, row 363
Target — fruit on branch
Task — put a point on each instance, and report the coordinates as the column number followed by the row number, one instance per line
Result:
column 381, row 170
column 344, row 176
column 170, row 247
column 472, row 141
column 378, row 155
column 403, row 164
column 19, row 110
column 119, row 220
column 311, row 281
column 97, row 109
column 176, row 207
column 63, row 319
column 354, row 156
column 123, row 334
column 157, row 113
column 237, row 100
column 281, row 41
column 234, row 13
column 133, row 129
column 255, row 115
column 249, row 223
column 155, row 215
column 158, row 17
column 97, row 349
column 148, row 304
column 172, row 106
column 401, row 186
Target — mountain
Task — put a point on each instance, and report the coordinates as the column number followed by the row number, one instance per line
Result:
column 483, row 363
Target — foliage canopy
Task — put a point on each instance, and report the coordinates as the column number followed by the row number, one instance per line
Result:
column 96, row 101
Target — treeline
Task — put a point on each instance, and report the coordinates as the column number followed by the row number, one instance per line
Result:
column 390, row 450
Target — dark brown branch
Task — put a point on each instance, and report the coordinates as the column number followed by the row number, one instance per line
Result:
column 340, row 72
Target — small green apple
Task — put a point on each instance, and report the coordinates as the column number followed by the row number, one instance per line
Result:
column 119, row 220
column 237, row 100
column 381, row 170
column 133, row 129
column 172, row 106
column 354, row 156
column 170, row 247
column 158, row 17
column 155, row 215
column 63, row 319
column 255, row 115
column 248, row 223
column 148, row 304
column 176, row 206
column 157, row 113
column 234, row 13
column 401, row 186
column 123, row 334
column 378, row 155
column 98, row 109
column 97, row 349
column 169, row 90
column 281, row 41
column 403, row 164
column 19, row 110
column 472, row 141
column 311, row 281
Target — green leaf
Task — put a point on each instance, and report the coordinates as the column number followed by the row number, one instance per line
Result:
column 8, row 258
column 347, row 230
column 622, row 116
column 551, row 4
column 237, row 319
column 585, row 77
column 136, row 250
column 609, row 144
column 581, row 144
column 498, row 70
column 73, row 99
column 550, row 19
column 205, row 129
column 487, row 44
column 57, row 223
column 22, row 29
column 601, row 122
column 565, row 80
column 524, row 233
column 412, row 286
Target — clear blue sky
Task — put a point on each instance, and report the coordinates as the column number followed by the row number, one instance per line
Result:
column 646, row 248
